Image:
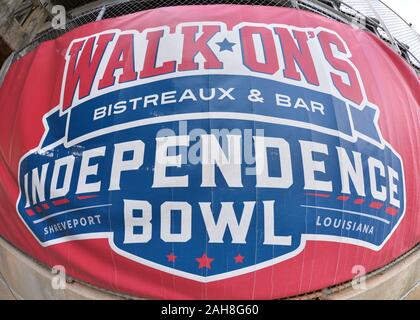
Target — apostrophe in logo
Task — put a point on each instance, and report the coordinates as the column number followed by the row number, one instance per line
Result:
column 209, row 152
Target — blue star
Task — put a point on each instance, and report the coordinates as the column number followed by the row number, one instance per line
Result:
column 225, row 45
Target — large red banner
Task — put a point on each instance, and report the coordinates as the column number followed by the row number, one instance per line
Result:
column 211, row 152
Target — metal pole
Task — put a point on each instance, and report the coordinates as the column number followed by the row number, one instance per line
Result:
column 294, row 4
column 383, row 25
column 101, row 13
column 5, row 67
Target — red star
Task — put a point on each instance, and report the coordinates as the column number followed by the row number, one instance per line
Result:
column 171, row 257
column 204, row 261
column 239, row 258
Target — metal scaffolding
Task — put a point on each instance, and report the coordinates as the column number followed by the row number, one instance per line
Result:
column 371, row 15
